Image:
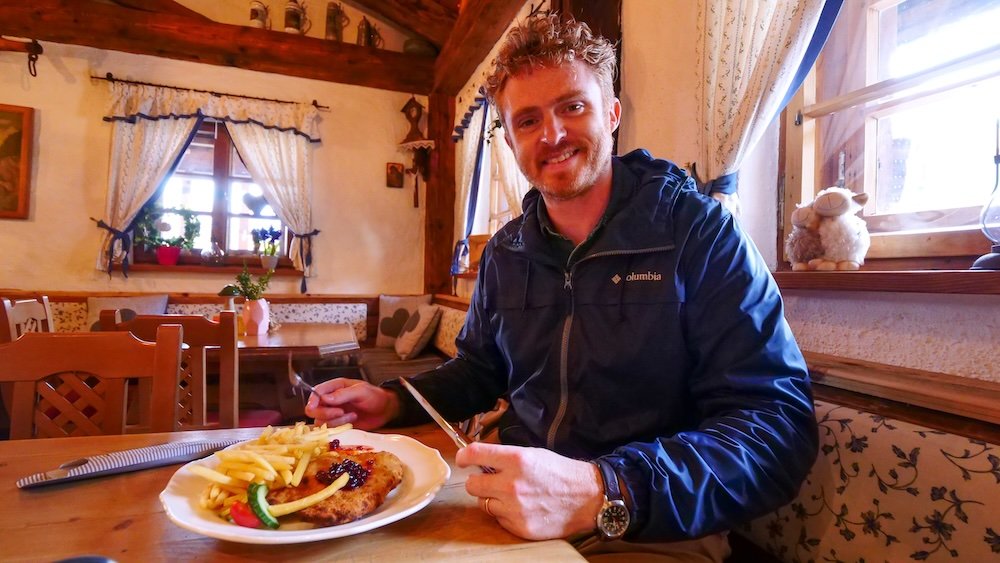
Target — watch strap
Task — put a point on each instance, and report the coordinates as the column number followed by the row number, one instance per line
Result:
column 611, row 489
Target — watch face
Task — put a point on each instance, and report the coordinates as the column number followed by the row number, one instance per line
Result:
column 613, row 519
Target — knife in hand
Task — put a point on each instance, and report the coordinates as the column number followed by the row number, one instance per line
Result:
column 456, row 435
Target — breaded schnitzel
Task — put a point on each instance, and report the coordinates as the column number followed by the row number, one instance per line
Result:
column 373, row 476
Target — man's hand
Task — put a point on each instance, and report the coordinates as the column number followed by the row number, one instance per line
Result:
column 535, row 494
column 349, row 400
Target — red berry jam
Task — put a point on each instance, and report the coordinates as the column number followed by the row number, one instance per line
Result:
column 358, row 474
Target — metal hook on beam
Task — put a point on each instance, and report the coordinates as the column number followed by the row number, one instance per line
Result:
column 33, row 48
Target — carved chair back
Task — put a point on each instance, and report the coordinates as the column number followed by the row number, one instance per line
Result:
column 200, row 334
column 75, row 384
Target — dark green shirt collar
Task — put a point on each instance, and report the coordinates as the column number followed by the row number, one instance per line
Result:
column 623, row 185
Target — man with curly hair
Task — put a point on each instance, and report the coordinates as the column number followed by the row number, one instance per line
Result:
column 657, row 397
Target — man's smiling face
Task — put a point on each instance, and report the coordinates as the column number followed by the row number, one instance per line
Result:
column 559, row 126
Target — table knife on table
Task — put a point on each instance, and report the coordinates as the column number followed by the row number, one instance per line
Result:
column 125, row 461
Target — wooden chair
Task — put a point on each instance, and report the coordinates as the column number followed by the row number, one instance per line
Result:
column 24, row 315
column 74, row 384
column 200, row 334
column 16, row 318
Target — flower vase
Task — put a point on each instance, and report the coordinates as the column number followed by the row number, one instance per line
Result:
column 256, row 316
column 268, row 262
column 167, row 255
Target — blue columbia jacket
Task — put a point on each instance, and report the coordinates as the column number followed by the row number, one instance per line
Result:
column 663, row 349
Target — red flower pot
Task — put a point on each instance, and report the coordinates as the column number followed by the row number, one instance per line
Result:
column 167, row 255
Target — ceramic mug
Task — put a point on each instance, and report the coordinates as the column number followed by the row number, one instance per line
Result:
column 258, row 14
column 336, row 21
column 296, row 20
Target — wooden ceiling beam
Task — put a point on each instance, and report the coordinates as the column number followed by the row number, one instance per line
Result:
column 481, row 23
column 426, row 19
column 160, row 6
column 110, row 27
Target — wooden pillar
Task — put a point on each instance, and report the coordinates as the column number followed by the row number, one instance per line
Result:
column 604, row 17
column 439, row 221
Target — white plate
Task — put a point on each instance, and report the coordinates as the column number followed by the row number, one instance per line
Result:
column 424, row 473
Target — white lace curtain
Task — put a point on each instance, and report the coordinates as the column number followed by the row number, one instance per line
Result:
column 466, row 151
column 142, row 153
column 508, row 174
column 749, row 52
column 153, row 124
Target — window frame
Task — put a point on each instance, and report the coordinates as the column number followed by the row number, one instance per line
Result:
column 800, row 170
column 222, row 178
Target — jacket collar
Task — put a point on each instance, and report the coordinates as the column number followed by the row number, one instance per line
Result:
column 644, row 190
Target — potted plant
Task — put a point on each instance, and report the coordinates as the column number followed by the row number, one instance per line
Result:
column 150, row 229
column 268, row 239
column 256, row 313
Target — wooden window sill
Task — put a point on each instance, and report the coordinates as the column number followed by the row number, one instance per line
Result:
column 938, row 392
column 202, row 269
column 969, row 282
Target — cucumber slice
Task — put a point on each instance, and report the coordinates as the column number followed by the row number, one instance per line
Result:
column 257, row 499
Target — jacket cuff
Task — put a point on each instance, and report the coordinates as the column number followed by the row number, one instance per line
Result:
column 410, row 413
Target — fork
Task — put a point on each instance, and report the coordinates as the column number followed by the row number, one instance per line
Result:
column 298, row 383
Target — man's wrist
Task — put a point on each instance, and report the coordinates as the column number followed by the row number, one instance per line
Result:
column 614, row 517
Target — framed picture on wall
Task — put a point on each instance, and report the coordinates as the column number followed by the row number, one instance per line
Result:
column 393, row 175
column 16, row 133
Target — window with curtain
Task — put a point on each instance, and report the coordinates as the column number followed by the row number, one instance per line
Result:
column 212, row 181
column 155, row 127
column 903, row 105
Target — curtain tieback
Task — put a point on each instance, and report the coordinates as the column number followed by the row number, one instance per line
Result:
column 116, row 235
column 305, row 250
column 461, row 250
column 725, row 184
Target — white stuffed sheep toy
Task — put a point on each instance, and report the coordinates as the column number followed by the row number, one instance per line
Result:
column 842, row 234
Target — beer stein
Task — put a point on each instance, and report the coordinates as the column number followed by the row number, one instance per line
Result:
column 296, row 20
column 336, row 21
column 258, row 14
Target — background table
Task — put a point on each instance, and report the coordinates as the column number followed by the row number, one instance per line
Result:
column 121, row 517
column 293, row 346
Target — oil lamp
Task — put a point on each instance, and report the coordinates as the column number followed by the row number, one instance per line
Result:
column 990, row 219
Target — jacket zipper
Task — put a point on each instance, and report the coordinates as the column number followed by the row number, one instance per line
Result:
column 550, row 439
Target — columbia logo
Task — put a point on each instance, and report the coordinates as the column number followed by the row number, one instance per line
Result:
column 642, row 276
column 616, row 279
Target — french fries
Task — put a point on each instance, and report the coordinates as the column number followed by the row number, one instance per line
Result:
column 278, row 459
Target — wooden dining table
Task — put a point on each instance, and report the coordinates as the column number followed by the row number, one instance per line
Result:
column 120, row 516
column 302, row 342
column 293, row 347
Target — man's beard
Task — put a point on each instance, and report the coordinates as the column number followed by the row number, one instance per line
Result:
column 562, row 189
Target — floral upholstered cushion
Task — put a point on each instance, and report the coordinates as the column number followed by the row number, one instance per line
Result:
column 886, row 490
column 449, row 326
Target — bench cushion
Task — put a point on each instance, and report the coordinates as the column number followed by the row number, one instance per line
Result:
column 382, row 364
column 891, row 488
column 393, row 312
column 417, row 331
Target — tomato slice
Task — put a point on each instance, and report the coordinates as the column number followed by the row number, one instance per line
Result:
column 243, row 515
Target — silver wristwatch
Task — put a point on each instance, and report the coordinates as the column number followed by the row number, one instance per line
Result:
column 613, row 518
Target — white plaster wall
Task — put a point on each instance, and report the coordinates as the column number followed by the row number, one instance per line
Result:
column 372, row 236
column 954, row 334
column 658, row 79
